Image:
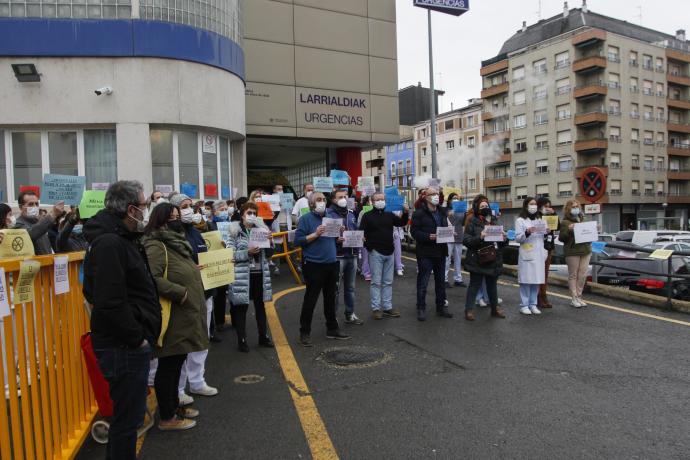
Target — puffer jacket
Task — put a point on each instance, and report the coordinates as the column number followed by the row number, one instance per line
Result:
column 473, row 241
column 239, row 242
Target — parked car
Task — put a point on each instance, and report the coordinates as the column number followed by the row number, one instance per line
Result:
column 642, row 237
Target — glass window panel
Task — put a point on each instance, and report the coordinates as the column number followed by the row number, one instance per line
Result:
column 100, row 156
column 62, row 150
column 26, row 151
column 162, row 157
column 188, row 148
column 211, row 171
column 3, row 169
column 225, row 188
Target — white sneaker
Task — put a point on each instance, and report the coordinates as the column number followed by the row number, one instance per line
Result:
column 500, row 301
column 204, row 390
column 445, row 303
column 481, row 303
column 535, row 310
column 574, row 302
column 400, row 273
column 525, row 311
column 582, row 302
column 185, row 399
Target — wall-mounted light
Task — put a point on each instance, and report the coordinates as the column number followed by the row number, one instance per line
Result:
column 26, row 73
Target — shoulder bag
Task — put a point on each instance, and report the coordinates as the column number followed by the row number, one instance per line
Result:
column 166, row 305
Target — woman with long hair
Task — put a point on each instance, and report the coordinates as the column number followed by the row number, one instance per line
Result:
column 531, row 256
column 576, row 254
column 545, row 208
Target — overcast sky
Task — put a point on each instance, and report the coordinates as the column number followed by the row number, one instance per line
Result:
column 461, row 43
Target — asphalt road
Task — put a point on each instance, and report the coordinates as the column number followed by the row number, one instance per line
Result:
column 571, row 383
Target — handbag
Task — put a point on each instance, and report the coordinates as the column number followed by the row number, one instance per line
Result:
column 487, row 255
column 166, row 305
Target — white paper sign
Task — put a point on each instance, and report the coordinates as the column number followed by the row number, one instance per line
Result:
column 61, row 275
column 258, row 238
column 4, row 302
column 493, row 233
column 351, row 204
column 209, row 143
column 353, row 238
column 586, row 232
column 445, row 235
column 332, row 227
column 100, row 185
column 273, row 200
column 540, row 227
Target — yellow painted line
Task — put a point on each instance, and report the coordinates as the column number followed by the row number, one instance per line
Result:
column 597, row 304
column 314, row 429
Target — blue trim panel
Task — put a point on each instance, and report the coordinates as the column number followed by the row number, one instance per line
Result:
column 119, row 38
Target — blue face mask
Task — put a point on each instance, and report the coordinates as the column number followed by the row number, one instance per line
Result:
column 77, row 229
column 222, row 216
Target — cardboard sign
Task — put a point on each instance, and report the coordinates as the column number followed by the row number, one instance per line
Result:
column 662, row 254
column 24, row 286
column 391, row 191
column 540, row 227
column 323, row 184
column 368, row 190
column 333, row 227
column 60, row 275
column 493, row 233
column 287, row 201
column 351, row 204
column 58, row 187
column 16, row 242
column 460, row 206
column 91, row 202
column 353, row 238
column 213, row 240
column 4, row 302
column 445, row 235
column 210, row 191
column 258, row 238
column 265, row 211
column 273, row 200
column 551, row 222
column 586, row 232
column 340, row 177
column 365, row 181
column 218, row 268
column 189, row 189
column 395, row 203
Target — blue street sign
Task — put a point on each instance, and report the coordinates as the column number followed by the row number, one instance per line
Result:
column 454, row 7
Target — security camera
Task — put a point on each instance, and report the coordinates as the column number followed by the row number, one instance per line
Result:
column 107, row 90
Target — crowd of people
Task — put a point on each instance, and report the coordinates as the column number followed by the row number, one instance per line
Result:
column 152, row 320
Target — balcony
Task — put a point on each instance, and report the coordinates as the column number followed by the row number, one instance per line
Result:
column 503, row 204
column 591, row 118
column 682, row 174
column 495, row 90
column 677, row 55
column 589, row 64
column 680, row 150
column 495, row 113
column 678, row 127
column 591, row 145
column 494, row 68
column 678, row 79
column 589, row 38
column 589, row 90
column 505, row 158
column 498, row 182
column 578, row 171
column 496, row 136
column 676, row 198
column 676, row 103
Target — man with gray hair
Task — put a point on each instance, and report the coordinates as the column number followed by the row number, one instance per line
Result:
column 126, row 315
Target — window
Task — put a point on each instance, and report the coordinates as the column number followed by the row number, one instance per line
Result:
column 423, row 151
column 660, row 164
column 520, row 121
column 564, row 137
column 660, row 64
column 565, row 189
column 424, row 168
column 615, row 133
column 472, row 184
column 188, row 154
column 615, row 161
column 540, row 117
column 614, row 80
column 660, row 114
column 26, row 150
column 563, row 112
column 542, row 167
column 660, row 188
column 521, row 193
column 401, row 171
column 225, row 189
column 519, row 73
column 100, row 156
column 648, row 163
column 539, row 92
column 648, row 113
column 635, row 161
column 634, row 84
column 562, row 59
column 659, row 89
column 408, row 166
column 563, row 85
column 497, row 79
column 646, row 61
column 565, row 164
column 648, row 188
column 408, row 145
column 393, row 169
column 520, row 145
column 614, row 54
column 633, row 58
column 635, row 186
column 673, row 164
column 539, row 67
column 63, row 152
column 615, row 187
column 674, row 69
column 521, row 169
column 470, row 142
column 450, row 145
column 3, row 169
column 519, row 97
column 542, row 190
column 448, row 125
column 162, row 157
column 648, row 138
column 634, row 136
column 660, row 139
column 209, row 158
column 541, row 142
column 647, row 87
column 614, row 107
column 469, row 121
column 634, row 110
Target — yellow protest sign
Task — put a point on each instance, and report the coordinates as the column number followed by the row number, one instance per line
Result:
column 551, row 222
column 16, row 243
column 219, row 268
column 24, row 287
column 662, row 254
column 213, row 240
column 448, row 190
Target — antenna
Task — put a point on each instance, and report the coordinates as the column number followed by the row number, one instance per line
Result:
column 539, row 11
column 639, row 14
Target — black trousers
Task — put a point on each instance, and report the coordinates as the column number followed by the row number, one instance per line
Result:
column 220, row 298
column 318, row 278
column 426, row 265
column 476, row 280
column 167, row 378
column 239, row 312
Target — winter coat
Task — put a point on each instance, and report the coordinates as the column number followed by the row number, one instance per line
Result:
column 378, row 226
column 68, row 241
column 457, row 220
column 239, row 242
column 119, row 285
column 38, row 232
column 423, row 225
column 473, row 241
column 567, row 237
column 532, row 255
column 187, row 330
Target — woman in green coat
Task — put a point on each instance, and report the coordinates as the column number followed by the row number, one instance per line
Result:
column 576, row 254
column 187, row 331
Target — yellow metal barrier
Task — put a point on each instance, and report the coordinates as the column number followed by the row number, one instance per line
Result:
column 49, row 399
column 287, row 253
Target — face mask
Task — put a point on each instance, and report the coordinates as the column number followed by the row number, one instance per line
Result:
column 196, row 218
column 434, row 200
column 309, row 194
column 141, row 224
column 532, row 209
column 486, row 212
column 160, row 200
column 222, row 216
column 342, row 202
column 13, row 221
column 320, row 207
column 175, row 226
column 187, row 215
column 77, row 229
column 575, row 211
column 207, row 213
column 32, row 211
column 231, row 210
column 250, row 220
column 381, row 204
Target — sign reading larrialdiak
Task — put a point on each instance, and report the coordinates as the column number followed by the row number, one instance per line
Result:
column 454, row 7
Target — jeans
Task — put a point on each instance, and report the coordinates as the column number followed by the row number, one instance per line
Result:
column 476, row 282
column 455, row 250
column 482, row 294
column 318, row 278
column 425, row 265
column 239, row 312
column 382, row 269
column 366, row 270
column 577, row 274
column 347, row 277
column 126, row 371
column 166, row 381
column 397, row 250
column 528, row 294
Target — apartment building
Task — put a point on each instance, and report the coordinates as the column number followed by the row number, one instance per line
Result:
column 460, row 153
column 582, row 89
column 400, row 171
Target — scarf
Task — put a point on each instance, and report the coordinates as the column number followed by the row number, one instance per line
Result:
column 172, row 240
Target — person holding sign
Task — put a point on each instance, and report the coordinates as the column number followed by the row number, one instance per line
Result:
column 38, row 228
column 431, row 255
column 320, row 268
column 456, row 217
column 531, row 257
column 70, row 237
column 252, row 277
column 484, row 259
column 549, row 216
column 577, row 255
column 7, row 220
column 177, row 276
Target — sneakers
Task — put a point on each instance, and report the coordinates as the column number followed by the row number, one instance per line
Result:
column 352, row 319
column 445, row 303
column 378, row 314
column 305, row 340
column 367, row 278
column 337, row 335
column 184, row 399
column 500, row 301
column 575, row 302
column 400, row 273
column 187, row 412
column 204, row 390
column 243, row 346
column 444, row 313
column 266, row 342
column 176, row 423
column 460, row 283
column 535, row 310
column 525, row 311
column 582, row 302
column 421, row 315
column 392, row 313
column 481, row 303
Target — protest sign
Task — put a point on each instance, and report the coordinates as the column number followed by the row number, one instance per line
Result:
column 273, row 200
column 586, row 232
column 493, row 233
column 551, row 222
column 598, row 246
column 58, row 187
column 496, row 210
column 218, row 268
column 391, row 191
column 164, row 189
column 365, row 181
column 4, row 302
column 16, row 243
column 445, row 235
column 340, row 177
column 540, row 227
column 332, row 227
column 91, row 202
column 351, row 204
column 100, row 185
column 189, row 189
column 323, row 184
column 60, row 275
column 459, row 206
column 224, row 229
column 258, row 238
column 368, row 190
column 265, row 211
column 213, row 240
column 287, row 201
column 662, row 254
column 353, row 238
column 291, row 236
column 434, row 182
column 24, row 285
column 395, row 203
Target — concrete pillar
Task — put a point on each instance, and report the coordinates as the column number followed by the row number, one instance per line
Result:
column 134, row 154
column 238, row 166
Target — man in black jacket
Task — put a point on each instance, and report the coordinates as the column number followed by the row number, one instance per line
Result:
column 431, row 256
column 126, row 316
column 378, row 239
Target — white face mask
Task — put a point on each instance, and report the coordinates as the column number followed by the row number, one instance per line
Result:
column 207, row 213
column 342, row 202
column 308, row 195
column 434, row 200
column 186, row 215
column 320, row 207
column 144, row 220
column 231, row 210
column 250, row 220
column 196, row 218
column 532, row 208
column 13, row 221
column 381, row 204
column 575, row 211
column 33, row 211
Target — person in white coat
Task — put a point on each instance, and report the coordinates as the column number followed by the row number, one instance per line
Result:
column 529, row 232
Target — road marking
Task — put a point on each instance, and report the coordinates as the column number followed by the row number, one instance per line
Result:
column 597, row 304
column 315, row 431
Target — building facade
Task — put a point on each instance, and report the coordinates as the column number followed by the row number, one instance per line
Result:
column 581, row 89
column 400, row 171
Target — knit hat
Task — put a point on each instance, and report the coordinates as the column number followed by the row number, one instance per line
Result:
column 177, row 199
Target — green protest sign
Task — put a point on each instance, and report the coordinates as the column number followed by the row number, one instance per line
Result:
column 91, row 202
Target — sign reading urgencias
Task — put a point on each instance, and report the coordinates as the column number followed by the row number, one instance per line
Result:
column 454, row 7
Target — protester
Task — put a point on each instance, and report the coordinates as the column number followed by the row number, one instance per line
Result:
column 577, row 255
column 220, row 297
column 252, row 278
column 531, row 255
column 431, row 256
column 126, row 315
column 38, row 228
column 320, row 269
column 484, row 259
column 303, row 202
column 220, row 214
column 7, row 220
column 546, row 209
column 378, row 225
column 457, row 220
column 178, row 280
column 70, row 237
column 347, row 257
